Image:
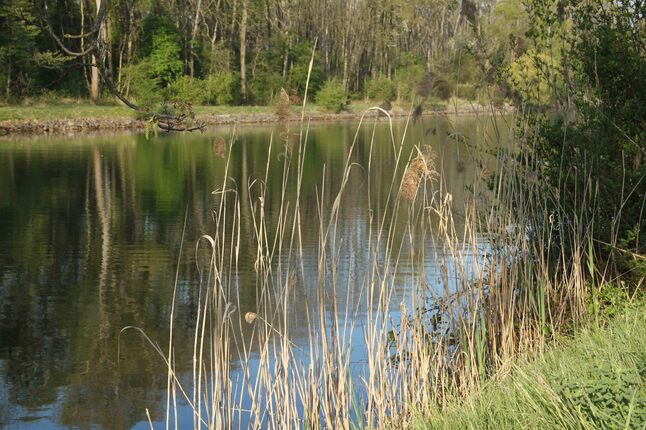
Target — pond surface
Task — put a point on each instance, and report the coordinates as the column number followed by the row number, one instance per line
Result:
column 95, row 229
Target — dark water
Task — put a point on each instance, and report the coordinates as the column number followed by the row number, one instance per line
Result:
column 91, row 240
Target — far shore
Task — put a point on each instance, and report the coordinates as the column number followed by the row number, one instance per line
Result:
column 61, row 119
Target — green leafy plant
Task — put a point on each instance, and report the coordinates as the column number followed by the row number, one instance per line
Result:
column 222, row 88
column 165, row 62
column 407, row 79
column 607, row 398
column 187, row 89
column 332, row 96
column 380, row 88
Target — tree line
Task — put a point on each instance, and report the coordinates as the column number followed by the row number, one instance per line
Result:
column 242, row 51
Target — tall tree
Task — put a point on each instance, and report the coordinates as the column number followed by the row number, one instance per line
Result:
column 95, row 57
column 243, row 51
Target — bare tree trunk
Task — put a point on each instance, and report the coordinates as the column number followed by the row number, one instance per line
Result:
column 191, row 43
column 94, row 77
column 243, row 52
column 87, row 78
column 8, row 89
column 234, row 8
column 346, row 46
column 122, row 47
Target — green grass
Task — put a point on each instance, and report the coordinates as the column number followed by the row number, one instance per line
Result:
column 62, row 111
column 597, row 380
column 75, row 109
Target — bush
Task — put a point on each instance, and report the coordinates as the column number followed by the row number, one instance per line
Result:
column 592, row 153
column 301, row 54
column 187, row 89
column 265, row 86
column 467, row 91
column 527, row 77
column 222, row 88
column 332, row 96
column 380, row 88
column 407, row 79
column 141, row 85
column 165, row 62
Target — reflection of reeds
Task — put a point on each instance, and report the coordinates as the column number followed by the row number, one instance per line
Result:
column 219, row 147
column 501, row 291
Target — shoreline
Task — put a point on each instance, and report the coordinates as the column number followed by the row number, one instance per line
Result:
column 22, row 127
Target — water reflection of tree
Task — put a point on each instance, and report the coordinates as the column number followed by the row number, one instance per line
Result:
column 70, row 286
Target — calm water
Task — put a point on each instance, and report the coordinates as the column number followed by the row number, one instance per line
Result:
column 91, row 241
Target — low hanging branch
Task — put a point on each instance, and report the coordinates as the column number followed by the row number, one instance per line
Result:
column 166, row 122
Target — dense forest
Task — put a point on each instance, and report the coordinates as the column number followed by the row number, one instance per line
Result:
column 242, row 51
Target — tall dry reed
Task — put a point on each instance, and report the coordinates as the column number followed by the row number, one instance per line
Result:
column 506, row 287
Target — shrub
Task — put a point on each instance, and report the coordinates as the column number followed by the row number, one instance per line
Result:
column 467, row 91
column 187, row 89
column 332, row 96
column 406, row 80
column 265, row 86
column 222, row 88
column 592, row 153
column 527, row 77
column 165, row 62
column 140, row 84
column 380, row 88
column 301, row 54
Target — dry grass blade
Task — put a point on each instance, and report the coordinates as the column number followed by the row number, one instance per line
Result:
column 496, row 293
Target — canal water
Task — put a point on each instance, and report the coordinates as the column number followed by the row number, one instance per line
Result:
column 96, row 230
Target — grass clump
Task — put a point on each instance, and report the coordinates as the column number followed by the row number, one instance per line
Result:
column 597, row 380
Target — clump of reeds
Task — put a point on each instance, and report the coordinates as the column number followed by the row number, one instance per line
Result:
column 421, row 168
column 504, row 288
column 282, row 107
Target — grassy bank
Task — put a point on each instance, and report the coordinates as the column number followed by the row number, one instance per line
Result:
column 73, row 109
column 47, row 111
column 596, row 380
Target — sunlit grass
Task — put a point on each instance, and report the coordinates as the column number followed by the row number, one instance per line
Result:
column 81, row 109
column 63, row 111
column 595, row 381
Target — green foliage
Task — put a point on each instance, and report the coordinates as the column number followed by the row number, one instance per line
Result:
column 165, row 62
column 187, row 89
column 157, row 76
column 332, row 96
column 154, row 25
column 141, row 84
column 17, row 44
column 608, row 398
column 467, row 91
column 595, row 150
column 301, row 55
column 526, row 75
column 265, row 86
column 216, row 57
column 380, row 88
column 407, row 79
column 222, row 88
